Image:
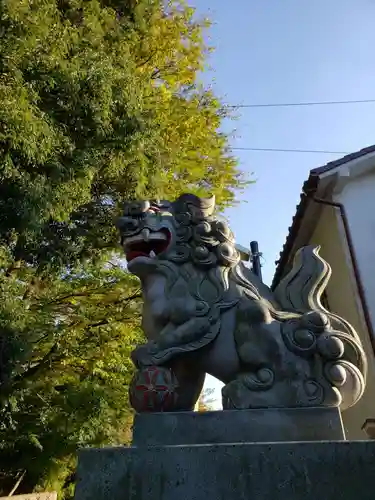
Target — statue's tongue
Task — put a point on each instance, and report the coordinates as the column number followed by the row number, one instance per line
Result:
column 144, row 249
column 133, row 254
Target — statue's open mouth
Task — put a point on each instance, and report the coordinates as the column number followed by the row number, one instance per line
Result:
column 146, row 244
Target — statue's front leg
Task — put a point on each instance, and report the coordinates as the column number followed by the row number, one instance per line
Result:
column 158, row 352
column 169, row 380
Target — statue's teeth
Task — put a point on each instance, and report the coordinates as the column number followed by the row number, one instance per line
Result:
column 146, row 234
column 152, row 254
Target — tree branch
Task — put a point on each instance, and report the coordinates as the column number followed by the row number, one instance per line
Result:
column 147, row 60
column 19, row 480
column 58, row 300
column 85, row 294
column 18, row 379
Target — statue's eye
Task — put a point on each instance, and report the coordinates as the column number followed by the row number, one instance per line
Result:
column 134, row 210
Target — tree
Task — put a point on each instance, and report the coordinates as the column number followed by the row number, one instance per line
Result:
column 205, row 401
column 65, row 357
column 99, row 103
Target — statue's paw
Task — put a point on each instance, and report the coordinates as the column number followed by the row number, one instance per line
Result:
column 143, row 354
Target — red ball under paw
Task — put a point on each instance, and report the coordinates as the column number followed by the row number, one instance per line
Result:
column 153, row 389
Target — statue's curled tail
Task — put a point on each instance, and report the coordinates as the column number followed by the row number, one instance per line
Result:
column 301, row 291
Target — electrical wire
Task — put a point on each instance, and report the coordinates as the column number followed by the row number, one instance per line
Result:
column 293, row 104
column 275, row 150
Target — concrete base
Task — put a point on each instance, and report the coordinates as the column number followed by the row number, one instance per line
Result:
column 238, row 426
column 33, row 496
column 276, row 471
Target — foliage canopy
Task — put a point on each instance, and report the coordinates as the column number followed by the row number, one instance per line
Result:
column 99, row 103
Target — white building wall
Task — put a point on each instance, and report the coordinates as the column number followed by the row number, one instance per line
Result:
column 342, row 297
column 358, row 198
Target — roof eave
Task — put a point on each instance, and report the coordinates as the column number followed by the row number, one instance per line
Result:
column 309, row 189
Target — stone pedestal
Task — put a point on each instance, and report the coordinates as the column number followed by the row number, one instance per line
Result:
column 246, row 464
column 238, row 426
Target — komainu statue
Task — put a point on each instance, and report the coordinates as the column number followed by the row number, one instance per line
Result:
column 206, row 312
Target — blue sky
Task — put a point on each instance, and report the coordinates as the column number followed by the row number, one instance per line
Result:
column 274, row 51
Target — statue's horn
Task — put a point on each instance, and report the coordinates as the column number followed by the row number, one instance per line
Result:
column 192, row 203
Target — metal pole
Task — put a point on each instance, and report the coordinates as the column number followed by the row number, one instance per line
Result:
column 255, row 259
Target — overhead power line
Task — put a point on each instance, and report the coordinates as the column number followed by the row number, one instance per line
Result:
column 292, row 104
column 275, row 150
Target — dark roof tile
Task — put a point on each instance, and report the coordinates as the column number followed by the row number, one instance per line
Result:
column 341, row 161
